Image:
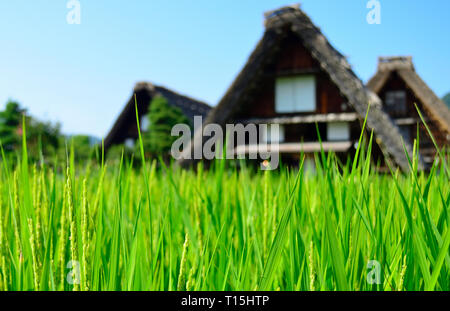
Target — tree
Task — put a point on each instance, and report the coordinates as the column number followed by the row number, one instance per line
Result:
column 116, row 152
column 162, row 117
column 10, row 120
column 83, row 146
column 446, row 100
column 42, row 137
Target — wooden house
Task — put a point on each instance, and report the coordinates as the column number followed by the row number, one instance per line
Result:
column 401, row 89
column 124, row 130
column 295, row 78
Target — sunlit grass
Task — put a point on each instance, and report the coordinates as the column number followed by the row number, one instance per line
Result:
column 164, row 228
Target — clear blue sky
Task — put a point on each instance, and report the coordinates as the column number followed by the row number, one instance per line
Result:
column 82, row 75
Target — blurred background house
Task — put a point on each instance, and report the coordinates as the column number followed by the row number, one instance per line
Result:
column 296, row 79
column 401, row 88
column 165, row 107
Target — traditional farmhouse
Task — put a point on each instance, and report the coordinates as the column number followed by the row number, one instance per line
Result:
column 125, row 129
column 400, row 88
column 295, row 78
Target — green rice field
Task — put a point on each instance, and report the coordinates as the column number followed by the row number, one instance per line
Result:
column 111, row 226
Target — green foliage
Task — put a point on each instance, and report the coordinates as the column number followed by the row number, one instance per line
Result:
column 83, row 146
column 162, row 117
column 446, row 100
column 224, row 229
column 115, row 153
column 42, row 137
column 10, row 120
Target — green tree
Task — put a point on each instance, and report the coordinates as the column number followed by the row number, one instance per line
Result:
column 446, row 100
column 162, row 117
column 42, row 137
column 84, row 149
column 115, row 153
column 10, row 120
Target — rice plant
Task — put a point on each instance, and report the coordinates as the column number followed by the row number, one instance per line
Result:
column 161, row 228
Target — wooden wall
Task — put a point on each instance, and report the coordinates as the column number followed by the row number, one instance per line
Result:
column 293, row 59
column 395, row 83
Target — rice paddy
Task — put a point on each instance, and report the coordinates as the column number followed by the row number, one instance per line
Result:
column 160, row 228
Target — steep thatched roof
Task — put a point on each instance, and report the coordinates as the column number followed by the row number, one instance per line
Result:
column 145, row 92
column 292, row 20
column 404, row 67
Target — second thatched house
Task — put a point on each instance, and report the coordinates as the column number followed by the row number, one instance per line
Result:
column 125, row 131
column 295, row 78
column 401, row 89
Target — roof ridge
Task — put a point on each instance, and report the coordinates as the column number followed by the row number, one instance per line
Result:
column 144, row 85
column 276, row 14
column 281, row 10
column 388, row 63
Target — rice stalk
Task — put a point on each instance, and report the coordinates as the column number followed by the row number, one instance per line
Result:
column 63, row 239
column 84, row 239
column 312, row 274
column 181, row 285
column 73, row 232
column 3, row 271
column 34, row 256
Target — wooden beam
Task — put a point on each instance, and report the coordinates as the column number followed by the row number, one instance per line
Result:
column 330, row 117
column 309, row 147
column 408, row 121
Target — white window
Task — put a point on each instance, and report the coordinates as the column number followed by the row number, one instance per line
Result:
column 274, row 134
column 396, row 102
column 338, row 131
column 295, row 94
column 129, row 143
column 145, row 123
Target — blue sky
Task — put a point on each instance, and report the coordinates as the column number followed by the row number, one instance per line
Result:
column 82, row 75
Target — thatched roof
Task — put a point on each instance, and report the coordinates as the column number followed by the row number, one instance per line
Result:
column 404, row 67
column 291, row 20
column 145, row 92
